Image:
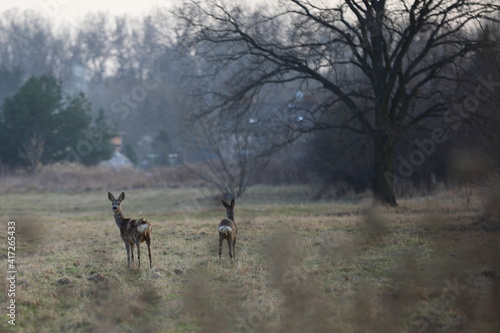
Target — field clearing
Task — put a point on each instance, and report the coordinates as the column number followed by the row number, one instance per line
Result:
column 430, row 265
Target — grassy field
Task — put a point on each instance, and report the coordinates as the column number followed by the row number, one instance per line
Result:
column 430, row 265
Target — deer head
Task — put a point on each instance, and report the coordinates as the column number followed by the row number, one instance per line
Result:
column 116, row 203
column 229, row 209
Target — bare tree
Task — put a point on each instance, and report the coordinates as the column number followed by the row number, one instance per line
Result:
column 32, row 151
column 378, row 58
column 228, row 150
column 95, row 43
column 27, row 42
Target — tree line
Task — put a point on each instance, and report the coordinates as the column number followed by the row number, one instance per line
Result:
column 363, row 93
column 382, row 71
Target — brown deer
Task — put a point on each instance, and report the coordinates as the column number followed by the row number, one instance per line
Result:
column 228, row 230
column 132, row 231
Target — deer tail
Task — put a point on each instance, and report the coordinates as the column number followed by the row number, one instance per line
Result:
column 143, row 225
column 224, row 229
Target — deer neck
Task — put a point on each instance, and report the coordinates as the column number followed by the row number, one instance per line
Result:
column 118, row 218
column 230, row 215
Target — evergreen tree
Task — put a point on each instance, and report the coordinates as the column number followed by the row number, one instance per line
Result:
column 41, row 125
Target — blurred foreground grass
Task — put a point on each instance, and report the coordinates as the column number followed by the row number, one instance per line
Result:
column 431, row 265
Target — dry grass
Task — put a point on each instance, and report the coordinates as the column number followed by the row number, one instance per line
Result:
column 76, row 178
column 431, row 265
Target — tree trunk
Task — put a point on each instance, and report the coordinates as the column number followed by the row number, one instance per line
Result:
column 383, row 165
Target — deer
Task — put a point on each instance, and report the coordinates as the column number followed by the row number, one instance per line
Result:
column 132, row 231
column 228, row 230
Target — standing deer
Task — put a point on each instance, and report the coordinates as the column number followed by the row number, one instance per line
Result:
column 132, row 231
column 228, row 230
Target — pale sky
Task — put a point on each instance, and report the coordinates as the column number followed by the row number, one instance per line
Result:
column 72, row 10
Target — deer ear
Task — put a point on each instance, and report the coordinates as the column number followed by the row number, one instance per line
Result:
column 232, row 203
column 122, row 196
column 110, row 196
column 225, row 204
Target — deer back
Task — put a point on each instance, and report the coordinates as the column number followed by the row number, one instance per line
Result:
column 135, row 229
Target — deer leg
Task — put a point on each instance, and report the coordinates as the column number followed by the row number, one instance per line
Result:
column 127, row 247
column 234, row 247
column 230, row 245
column 148, row 242
column 132, row 251
column 220, row 247
column 138, row 253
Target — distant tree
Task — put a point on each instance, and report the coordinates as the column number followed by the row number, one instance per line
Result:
column 338, row 160
column 95, row 43
column 40, row 124
column 10, row 82
column 27, row 42
column 387, row 63
column 98, row 138
column 476, row 128
column 162, row 147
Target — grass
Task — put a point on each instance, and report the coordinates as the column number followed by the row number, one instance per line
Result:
column 430, row 265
